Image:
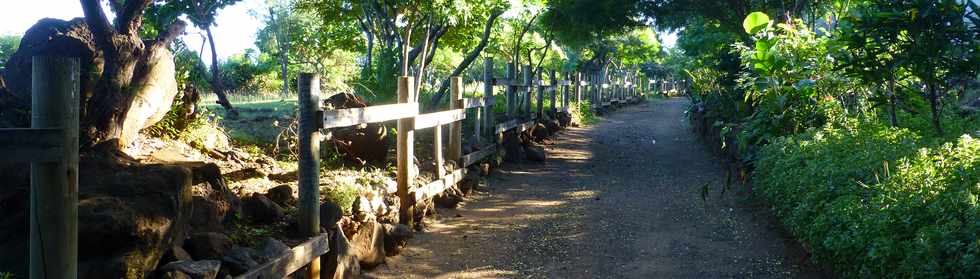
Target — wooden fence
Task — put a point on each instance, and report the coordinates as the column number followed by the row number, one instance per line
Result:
column 51, row 147
column 561, row 92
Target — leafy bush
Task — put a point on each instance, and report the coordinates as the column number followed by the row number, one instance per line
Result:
column 582, row 113
column 874, row 201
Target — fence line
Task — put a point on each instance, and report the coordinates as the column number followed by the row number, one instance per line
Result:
column 51, row 146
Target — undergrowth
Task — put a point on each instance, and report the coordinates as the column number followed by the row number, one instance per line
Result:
column 874, row 201
column 582, row 113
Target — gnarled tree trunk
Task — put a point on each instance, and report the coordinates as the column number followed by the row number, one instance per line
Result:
column 127, row 63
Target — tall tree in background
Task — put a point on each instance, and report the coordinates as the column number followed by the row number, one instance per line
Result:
column 202, row 14
column 400, row 36
column 937, row 41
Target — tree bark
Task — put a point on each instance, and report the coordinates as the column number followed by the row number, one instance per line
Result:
column 892, row 102
column 125, row 54
column 936, row 108
column 216, row 85
column 283, row 40
column 470, row 57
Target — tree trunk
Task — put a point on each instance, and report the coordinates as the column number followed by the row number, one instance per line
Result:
column 125, row 63
column 892, row 102
column 283, row 40
column 470, row 57
column 216, row 85
column 936, row 108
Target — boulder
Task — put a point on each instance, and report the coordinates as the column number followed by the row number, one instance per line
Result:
column 368, row 244
column 270, row 248
column 210, row 184
column 396, row 236
column 282, row 195
column 340, row 262
column 239, row 260
column 174, row 274
column 364, row 144
column 176, row 253
column 450, row 198
column 258, row 208
column 210, row 245
column 540, row 132
column 564, row 119
column 193, row 269
column 368, row 207
column 206, row 215
column 552, row 125
column 330, row 213
column 535, row 153
column 513, row 152
column 129, row 215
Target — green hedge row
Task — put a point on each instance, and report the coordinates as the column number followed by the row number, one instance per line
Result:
column 873, row 201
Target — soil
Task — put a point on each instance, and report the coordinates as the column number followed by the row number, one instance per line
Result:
column 620, row 199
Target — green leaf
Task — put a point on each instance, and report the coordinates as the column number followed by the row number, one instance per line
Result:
column 755, row 21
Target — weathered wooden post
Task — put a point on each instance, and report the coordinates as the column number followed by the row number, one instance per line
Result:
column 511, row 90
column 54, row 184
column 406, row 153
column 488, row 94
column 564, row 91
column 541, row 90
column 310, row 122
column 602, row 88
column 456, row 128
column 527, row 92
column 555, row 88
column 578, row 88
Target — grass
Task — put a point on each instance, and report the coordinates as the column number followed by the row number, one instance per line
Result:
column 258, row 123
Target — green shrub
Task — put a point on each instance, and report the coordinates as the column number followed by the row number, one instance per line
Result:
column 582, row 113
column 873, row 201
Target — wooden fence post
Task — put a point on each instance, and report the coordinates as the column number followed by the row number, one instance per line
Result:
column 488, row 94
column 526, row 108
column 555, row 88
column 564, row 92
column 541, row 90
column 406, row 153
column 456, row 128
column 54, row 185
column 309, row 161
column 511, row 90
column 578, row 88
column 602, row 89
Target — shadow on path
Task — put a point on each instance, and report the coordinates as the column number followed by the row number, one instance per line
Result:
column 621, row 199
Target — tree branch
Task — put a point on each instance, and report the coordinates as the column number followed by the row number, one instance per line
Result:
column 131, row 17
column 97, row 22
column 470, row 57
column 165, row 38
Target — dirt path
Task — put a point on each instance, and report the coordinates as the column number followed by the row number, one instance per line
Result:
column 621, row 199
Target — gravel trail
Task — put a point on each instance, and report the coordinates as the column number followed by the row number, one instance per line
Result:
column 620, row 199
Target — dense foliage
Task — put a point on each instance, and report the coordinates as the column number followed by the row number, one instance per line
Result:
column 874, row 201
column 8, row 45
column 852, row 124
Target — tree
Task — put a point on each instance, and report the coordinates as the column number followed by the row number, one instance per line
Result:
column 8, row 45
column 202, row 14
column 125, row 56
column 936, row 41
column 399, row 37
